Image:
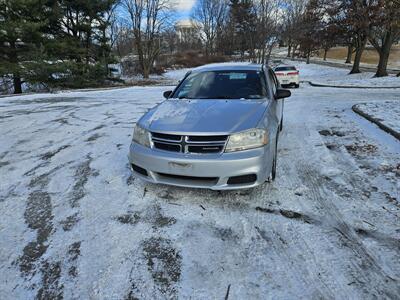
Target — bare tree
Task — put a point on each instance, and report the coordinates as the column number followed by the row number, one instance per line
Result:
column 124, row 39
column 209, row 16
column 293, row 11
column 108, row 30
column 148, row 18
column 385, row 30
column 267, row 14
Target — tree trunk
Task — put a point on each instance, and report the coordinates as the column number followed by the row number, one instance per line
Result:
column 383, row 61
column 357, row 58
column 294, row 50
column 17, row 84
column 289, row 50
column 308, row 56
column 263, row 55
column 349, row 53
column 384, row 53
column 325, row 53
column 146, row 71
column 13, row 56
column 268, row 55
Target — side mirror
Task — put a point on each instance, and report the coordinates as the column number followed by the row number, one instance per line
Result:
column 281, row 93
column 167, row 94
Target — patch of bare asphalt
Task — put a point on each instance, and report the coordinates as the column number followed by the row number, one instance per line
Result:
column 225, row 234
column 164, row 263
column 48, row 155
column 69, row 222
column 357, row 149
column 131, row 218
column 74, row 251
column 94, row 137
column 4, row 163
column 331, row 132
column 152, row 215
column 38, row 216
column 290, row 215
column 81, row 177
column 50, row 288
column 166, row 194
column 98, row 127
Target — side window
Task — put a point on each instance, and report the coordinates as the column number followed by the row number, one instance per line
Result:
column 274, row 81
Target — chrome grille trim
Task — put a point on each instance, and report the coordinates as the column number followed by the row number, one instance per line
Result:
column 167, row 141
column 189, row 143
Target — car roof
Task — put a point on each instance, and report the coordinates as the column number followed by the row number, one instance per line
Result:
column 229, row 67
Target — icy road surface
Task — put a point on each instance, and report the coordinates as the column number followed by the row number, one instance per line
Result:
column 75, row 223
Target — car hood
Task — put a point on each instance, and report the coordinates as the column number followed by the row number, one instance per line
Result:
column 204, row 116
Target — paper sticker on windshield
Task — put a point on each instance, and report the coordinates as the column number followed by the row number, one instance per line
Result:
column 237, row 76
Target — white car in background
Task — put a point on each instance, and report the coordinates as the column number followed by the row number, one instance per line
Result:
column 288, row 75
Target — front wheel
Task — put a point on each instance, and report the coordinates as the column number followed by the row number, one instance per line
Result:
column 274, row 162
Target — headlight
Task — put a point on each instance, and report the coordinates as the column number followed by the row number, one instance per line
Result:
column 248, row 139
column 141, row 136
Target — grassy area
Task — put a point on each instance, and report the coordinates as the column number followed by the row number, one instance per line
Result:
column 370, row 56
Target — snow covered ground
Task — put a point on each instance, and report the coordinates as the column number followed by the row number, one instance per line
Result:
column 282, row 52
column 385, row 112
column 340, row 77
column 75, row 223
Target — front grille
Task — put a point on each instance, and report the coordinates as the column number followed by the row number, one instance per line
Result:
column 199, row 144
column 167, row 136
column 167, row 147
column 191, row 178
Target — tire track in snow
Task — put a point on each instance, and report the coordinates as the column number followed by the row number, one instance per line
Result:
column 365, row 266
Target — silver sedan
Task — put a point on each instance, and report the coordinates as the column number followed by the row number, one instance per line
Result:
column 218, row 129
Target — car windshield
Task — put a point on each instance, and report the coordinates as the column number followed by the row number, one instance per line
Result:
column 285, row 69
column 249, row 84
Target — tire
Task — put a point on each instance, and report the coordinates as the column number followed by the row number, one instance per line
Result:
column 274, row 163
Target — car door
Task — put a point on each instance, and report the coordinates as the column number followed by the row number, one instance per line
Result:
column 274, row 83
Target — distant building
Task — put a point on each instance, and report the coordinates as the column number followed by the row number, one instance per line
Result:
column 187, row 31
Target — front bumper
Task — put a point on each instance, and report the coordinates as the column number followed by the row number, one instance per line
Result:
column 201, row 170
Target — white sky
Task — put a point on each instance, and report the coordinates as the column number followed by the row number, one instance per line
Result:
column 184, row 5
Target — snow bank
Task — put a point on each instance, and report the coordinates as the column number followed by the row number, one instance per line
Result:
column 383, row 113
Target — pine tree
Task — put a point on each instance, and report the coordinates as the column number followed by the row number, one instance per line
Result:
column 57, row 43
column 21, row 24
column 242, row 20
